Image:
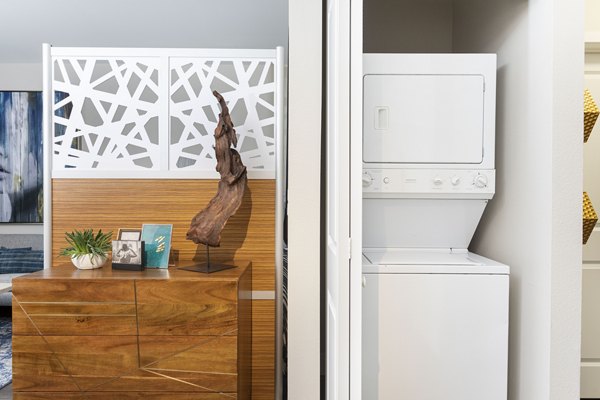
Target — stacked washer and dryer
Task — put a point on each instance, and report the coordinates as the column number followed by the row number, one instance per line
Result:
column 435, row 316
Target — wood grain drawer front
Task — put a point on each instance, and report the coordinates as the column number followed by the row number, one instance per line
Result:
column 75, row 319
column 207, row 362
column 144, row 337
column 158, row 381
column 122, row 396
column 73, row 290
column 186, row 307
column 62, row 363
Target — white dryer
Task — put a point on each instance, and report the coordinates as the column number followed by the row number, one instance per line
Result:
column 435, row 316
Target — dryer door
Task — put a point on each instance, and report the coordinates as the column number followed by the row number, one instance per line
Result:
column 423, row 119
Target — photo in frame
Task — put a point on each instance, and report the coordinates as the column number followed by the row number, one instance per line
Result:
column 21, row 157
column 157, row 242
column 129, row 234
column 128, row 255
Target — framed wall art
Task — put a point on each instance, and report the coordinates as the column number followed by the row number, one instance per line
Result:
column 157, row 242
column 21, row 159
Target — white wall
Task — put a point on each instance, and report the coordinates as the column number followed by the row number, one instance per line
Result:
column 304, row 197
column 592, row 16
column 21, row 76
column 26, row 24
column 407, row 26
column 534, row 222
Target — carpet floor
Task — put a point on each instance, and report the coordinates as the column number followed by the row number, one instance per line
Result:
column 5, row 351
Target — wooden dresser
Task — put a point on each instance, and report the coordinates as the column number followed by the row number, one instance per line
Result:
column 109, row 334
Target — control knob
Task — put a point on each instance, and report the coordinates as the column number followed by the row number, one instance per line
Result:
column 455, row 180
column 437, row 181
column 480, row 181
column 367, row 179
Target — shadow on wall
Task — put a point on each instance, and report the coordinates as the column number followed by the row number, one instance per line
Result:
column 232, row 236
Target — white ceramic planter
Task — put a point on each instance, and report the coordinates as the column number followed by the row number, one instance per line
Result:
column 88, row 261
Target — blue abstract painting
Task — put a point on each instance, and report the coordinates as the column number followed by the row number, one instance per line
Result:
column 21, row 157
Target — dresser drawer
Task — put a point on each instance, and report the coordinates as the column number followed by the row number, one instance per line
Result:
column 206, row 361
column 181, row 308
column 74, row 307
column 123, row 396
column 73, row 290
column 62, row 363
column 74, row 319
column 103, row 334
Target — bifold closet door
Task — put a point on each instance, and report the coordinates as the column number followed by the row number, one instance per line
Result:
column 338, row 200
column 343, row 132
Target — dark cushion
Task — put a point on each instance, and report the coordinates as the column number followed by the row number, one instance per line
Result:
column 21, row 262
column 12, row 250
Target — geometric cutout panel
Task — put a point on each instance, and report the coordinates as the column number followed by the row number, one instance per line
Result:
column 248, row 86
column 106, row 113
column 125, row 113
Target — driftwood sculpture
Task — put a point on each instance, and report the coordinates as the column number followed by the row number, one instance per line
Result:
column 207, row 225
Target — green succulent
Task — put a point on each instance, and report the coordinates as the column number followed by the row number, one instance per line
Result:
column 86, row 242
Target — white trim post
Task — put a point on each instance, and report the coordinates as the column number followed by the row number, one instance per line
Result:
column 47, row 138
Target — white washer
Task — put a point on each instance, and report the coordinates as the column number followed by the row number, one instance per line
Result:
column 435, row 325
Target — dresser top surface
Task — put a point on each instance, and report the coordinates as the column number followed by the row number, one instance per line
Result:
column 68, row 271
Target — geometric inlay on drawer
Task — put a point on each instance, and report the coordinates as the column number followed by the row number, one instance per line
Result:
column 32, row 353
column 21, row 324
column 178, row 308
column 93, row 361
column 206, row 362
column 76, row 319
column 74, row 291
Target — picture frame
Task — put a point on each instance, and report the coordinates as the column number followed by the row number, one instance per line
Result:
column 157, row 239
column 128, row 255
column 129, row 234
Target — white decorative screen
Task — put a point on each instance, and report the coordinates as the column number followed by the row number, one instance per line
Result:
column 106, row 113
column 151, row 113
column 249, row 89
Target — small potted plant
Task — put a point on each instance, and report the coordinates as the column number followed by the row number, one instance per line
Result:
column 87, row 251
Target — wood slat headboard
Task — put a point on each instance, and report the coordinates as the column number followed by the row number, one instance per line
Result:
column 110, row 204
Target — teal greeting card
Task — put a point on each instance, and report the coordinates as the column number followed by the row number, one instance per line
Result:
column 157, row 242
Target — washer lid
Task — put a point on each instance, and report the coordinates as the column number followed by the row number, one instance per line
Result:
column 398, row 256
column 428, row 261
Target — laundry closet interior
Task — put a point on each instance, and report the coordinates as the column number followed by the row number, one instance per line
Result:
column 520, row 222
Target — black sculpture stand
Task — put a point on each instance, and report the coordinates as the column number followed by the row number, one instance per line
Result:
column 207, row 267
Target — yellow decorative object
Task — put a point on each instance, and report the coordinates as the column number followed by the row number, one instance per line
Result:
column 589, row 218
column 590, row 114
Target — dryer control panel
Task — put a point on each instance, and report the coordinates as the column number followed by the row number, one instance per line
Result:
column 429, row 182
